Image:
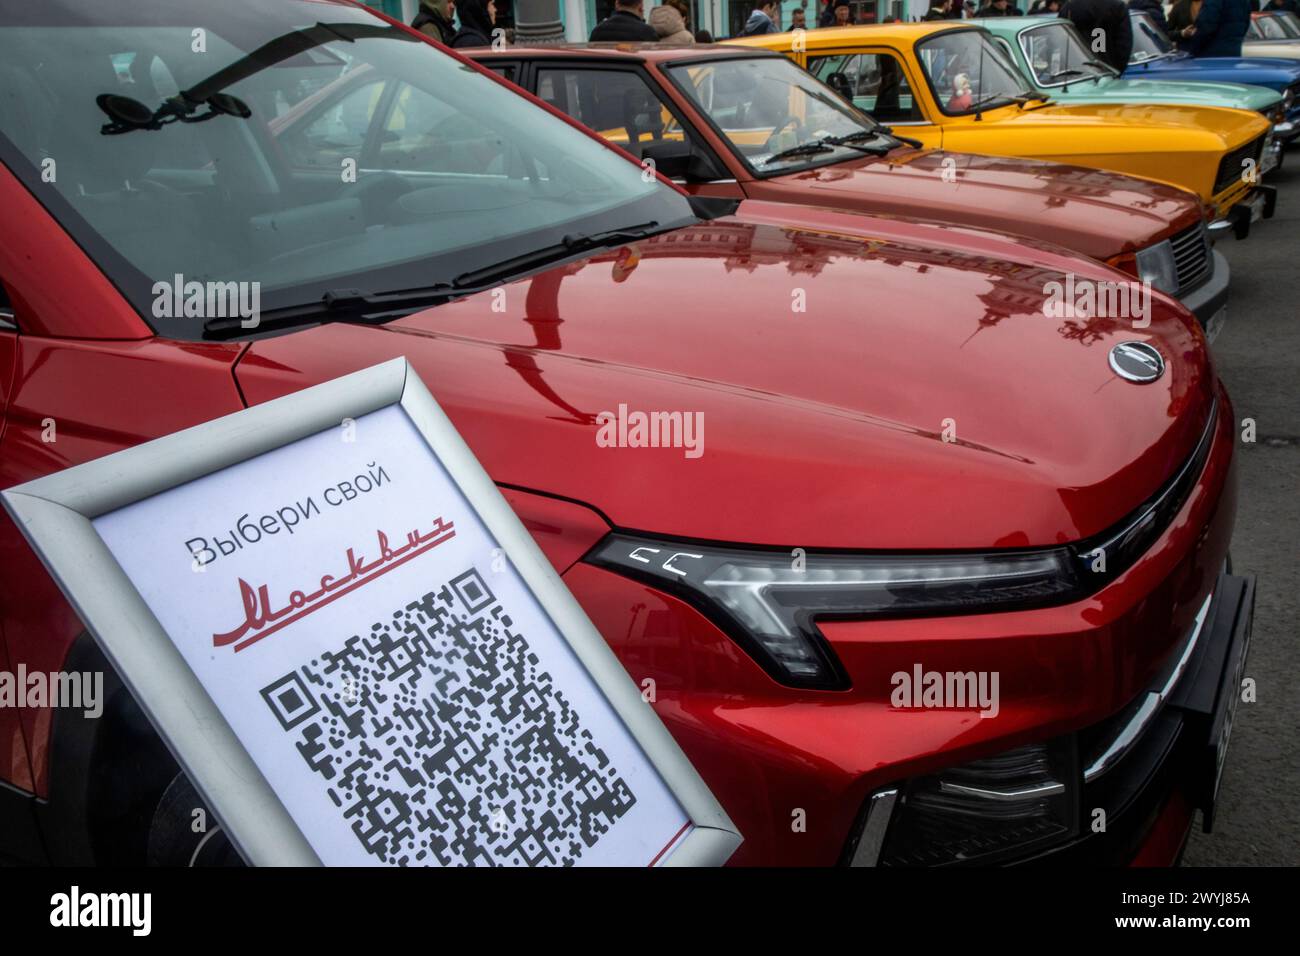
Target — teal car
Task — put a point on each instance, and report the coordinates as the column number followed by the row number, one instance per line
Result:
column 1059, row 64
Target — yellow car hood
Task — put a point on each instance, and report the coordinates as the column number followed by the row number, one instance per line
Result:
column 1132, row 127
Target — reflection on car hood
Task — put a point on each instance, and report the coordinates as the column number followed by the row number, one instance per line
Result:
column 1144, row 124
column 1257, row 70
column 862, row 383
column 1095, row 212
column 1234, row 95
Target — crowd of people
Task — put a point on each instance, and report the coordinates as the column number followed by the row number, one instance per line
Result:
column 1202, row 27
column 437, row 18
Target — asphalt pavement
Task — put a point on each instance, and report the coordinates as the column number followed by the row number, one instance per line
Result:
column 1258, row 356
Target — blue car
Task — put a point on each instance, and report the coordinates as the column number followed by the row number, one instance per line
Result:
column 1156, row 58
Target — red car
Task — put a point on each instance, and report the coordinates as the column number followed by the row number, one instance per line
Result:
column 718, row 118
column 909, row 468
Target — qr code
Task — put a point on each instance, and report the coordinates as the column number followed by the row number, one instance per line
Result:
column 443, row 742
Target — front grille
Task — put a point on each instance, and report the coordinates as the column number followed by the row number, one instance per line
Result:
column 1191, row 257
column 1230, row 168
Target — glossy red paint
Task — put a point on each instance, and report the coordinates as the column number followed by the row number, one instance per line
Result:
column 821, row 432
column 853, row 441
column 1098, row 213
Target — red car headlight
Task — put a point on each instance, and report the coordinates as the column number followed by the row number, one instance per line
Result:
column 768, row 601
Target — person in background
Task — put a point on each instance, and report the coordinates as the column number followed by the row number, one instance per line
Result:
column 476, row 20
column 668, row 22
column 1152, row 8
column 843, row 13
column 1182, row 15
column 434, row 20
column 625, row 25
column 827, row 16
column 999, row 8
column 761, row 20
column 703, row 36
column 1044, row 7
column 943, row 10
column 1219, row 28
column 1277, row 6
column 798, row 20
column 1109, row 16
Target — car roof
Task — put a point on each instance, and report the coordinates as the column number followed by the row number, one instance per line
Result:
column 1011, row 23
column 657, row 52
column 905, row 33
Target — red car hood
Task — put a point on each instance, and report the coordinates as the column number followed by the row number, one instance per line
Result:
column 1098, row 213
column 822, row 427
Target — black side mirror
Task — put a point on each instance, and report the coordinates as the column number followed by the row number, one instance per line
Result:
column 679, row 159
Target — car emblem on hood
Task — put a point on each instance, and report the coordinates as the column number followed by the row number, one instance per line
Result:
column 1137, row 362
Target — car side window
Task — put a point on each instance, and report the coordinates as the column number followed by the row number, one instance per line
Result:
column 618, row 104
column 874, row 82
column 507, row 71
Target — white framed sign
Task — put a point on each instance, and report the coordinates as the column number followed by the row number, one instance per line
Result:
column 356, row 650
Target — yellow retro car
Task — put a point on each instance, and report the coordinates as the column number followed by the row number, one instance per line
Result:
column 951, row 85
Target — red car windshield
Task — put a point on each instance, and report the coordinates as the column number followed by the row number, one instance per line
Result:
column 222, row 143
column 775, row 117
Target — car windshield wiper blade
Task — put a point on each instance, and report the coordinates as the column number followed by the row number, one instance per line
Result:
column 828, row 144
column 991, row 97
column 338, row 305
column 906, row 140
column 375, row 308
column 811, row 148
column 852, row 141
column 567, row 246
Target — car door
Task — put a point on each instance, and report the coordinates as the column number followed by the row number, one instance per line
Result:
column 83, row 377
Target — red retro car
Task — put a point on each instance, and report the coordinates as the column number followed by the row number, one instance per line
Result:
column 912, row 465
column 740, row 122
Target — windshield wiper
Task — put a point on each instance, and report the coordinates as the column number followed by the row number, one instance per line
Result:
column 827, row 144
column 338, row 305
column 803, row 149
column 906, row 140
column 852, row 141
column 567, row 246
column 364, row 307
column 990, row 97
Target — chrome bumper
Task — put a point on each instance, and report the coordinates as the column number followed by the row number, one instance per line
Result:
column 1259, row 203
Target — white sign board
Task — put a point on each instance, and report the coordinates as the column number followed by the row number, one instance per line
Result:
column 380, row 638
